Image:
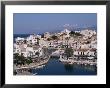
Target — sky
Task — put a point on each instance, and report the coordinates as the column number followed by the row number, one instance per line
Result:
column 29, row 23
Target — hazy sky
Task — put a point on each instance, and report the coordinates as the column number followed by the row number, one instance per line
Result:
column 27, row 23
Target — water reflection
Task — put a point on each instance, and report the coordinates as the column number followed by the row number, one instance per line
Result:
column 68, row 67
column 55, row 67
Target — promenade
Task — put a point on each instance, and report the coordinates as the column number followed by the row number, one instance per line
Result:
column 72, row 61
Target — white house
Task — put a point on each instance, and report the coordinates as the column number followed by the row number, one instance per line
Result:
column 19, row 40
column 88, row 32
column 87, row 52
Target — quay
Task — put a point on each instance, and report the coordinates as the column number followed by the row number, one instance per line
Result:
column 85, row 62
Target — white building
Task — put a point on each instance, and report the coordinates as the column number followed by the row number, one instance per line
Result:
column 27, row 51
column 66, row 32
column 19, row 40
column 88, row 33
column 87, row 52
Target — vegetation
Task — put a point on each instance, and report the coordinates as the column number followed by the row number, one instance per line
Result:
column 21, row 60
column 69, row 52
column 54, row 37
column 48, row 39
column 28, row 61
column 62, row 46
column 72, row 33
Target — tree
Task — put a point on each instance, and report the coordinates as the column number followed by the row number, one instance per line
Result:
column 19, row 59
column 16, row 58
column 48, row 39
column 54, row 37
column 69, row 52
column 72, row 33
column 28, row 61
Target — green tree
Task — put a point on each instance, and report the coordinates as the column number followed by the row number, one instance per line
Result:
column 54, row 37
column 19, row 59
column 16, row 55
column 28, row 61
column 48, row 39
column 69, row 52
column 72, row 33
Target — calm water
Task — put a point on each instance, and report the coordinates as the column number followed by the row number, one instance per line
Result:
column 55, row 67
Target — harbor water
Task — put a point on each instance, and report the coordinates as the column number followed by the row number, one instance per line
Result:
column 55, row 67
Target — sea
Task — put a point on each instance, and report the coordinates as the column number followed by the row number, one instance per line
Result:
column 55, row 67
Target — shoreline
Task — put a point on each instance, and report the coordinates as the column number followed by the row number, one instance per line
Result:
column 85, row 62
column 32, row 65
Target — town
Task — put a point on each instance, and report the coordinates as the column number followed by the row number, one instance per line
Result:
column 70, row 47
